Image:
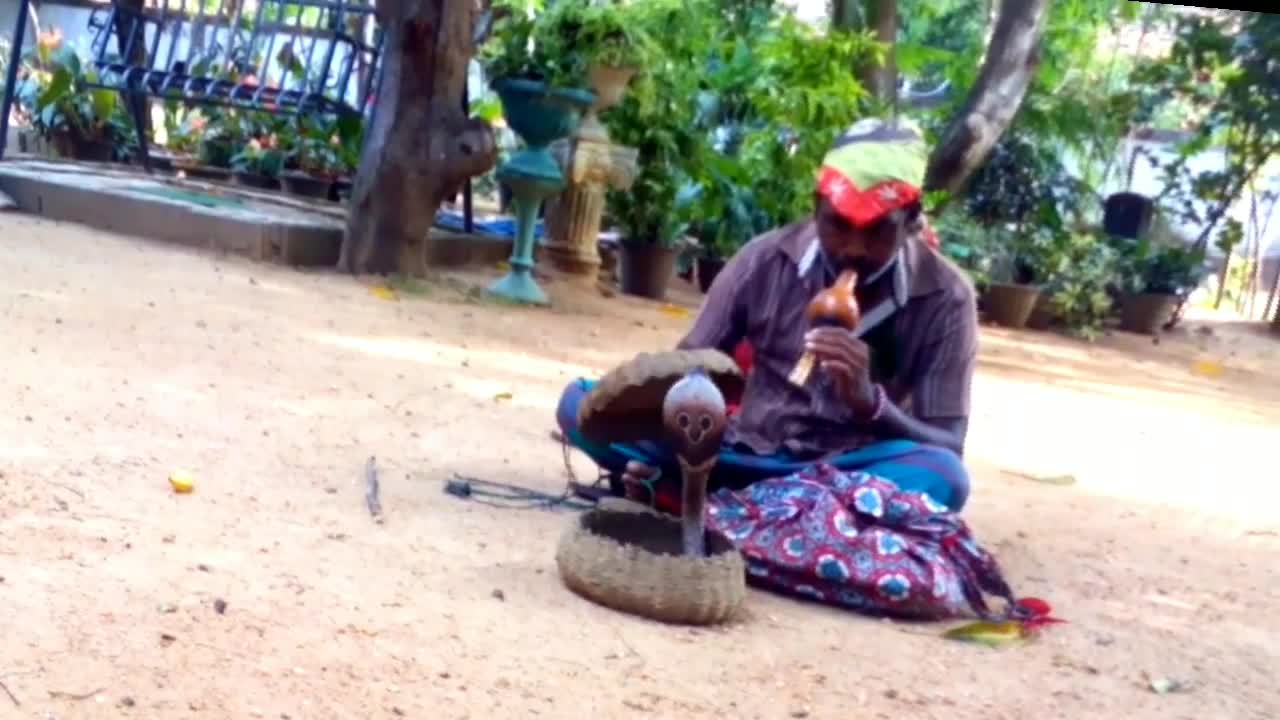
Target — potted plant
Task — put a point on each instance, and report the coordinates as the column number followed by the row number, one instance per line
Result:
column 1155, row 277
column 78, row 121
column 200, row 147
column 967, row 244
column 259, row 163
column 350, row 132
column 1076, row 296
column 652, row 216
column 1022, row 260
column 533, row 77
column 600, row 45
column 317, row 159
column 523, row 73
column 729, row 216
column 578, row 35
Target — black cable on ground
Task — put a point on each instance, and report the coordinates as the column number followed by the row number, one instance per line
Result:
column 504, row 495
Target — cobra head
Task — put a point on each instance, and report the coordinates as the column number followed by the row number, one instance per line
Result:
column 694, row 418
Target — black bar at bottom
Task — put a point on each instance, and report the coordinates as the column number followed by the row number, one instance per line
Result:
column 11, row 76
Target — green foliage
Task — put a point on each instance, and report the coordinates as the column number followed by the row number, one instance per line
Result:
column 1147, row 267
column 969, row 244
column 56, row 94
column 1222, row 71
column 1077, row 292
column 317, row 149
column 1239, row 280
column 325, row 146
column 804, row 96
column 1023, row 182
column 1025, row 255
column 938, row 40
column 657, row 117
column 558, row 42
column 509, row 51
column 259, row 157
column 577, row 34
column 774, row 94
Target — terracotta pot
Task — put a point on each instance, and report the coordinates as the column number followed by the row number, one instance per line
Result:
column 1145, row 313
column 254, row 180
column 1011, row 305
column 609, row 84
column 646, row 269
column 70, row 146
column 1042, row 316
column 204, row 172
column 308, row 186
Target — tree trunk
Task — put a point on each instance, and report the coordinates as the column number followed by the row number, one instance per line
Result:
column 1222, row 277
column 882, row 80
column 421, row 147
column 1271, row 302
column 846, row 14
column 1007, row 71
column 881, row 18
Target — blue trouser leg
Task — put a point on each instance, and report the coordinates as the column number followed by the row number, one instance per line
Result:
column 914, row 467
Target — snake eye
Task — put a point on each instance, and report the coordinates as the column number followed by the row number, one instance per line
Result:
column 683, row 420
column 705, row 423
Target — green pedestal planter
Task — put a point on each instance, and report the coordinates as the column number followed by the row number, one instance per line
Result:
column 540, row 115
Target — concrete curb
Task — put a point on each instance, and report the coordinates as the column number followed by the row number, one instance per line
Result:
column 124, row 202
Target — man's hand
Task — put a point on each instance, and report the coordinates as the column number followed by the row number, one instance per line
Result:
column 846, row 360
column 634, row 479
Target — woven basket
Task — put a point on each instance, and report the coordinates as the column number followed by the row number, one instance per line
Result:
column 626, row 405
column 627, row 557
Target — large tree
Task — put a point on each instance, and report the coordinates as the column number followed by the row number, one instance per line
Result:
column 421, row 146
column 881, row 18
column 1007, row 71
column 1011, row 58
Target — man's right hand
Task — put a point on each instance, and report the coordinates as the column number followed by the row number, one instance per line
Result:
column 634, row 479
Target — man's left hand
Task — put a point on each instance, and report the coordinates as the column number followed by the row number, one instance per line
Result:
column 846, row 360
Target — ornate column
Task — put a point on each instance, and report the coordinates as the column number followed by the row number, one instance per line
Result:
column 592, row 164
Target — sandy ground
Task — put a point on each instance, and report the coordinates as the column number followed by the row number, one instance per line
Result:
column 126, row 360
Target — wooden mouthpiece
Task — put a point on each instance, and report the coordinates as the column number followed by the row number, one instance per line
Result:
column 836, row 305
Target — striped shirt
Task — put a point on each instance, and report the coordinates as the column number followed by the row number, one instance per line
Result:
column 919, row 320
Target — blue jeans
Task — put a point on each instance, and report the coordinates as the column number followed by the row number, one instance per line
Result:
column 934, row 471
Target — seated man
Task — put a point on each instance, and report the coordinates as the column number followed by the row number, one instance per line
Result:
column 890, row 398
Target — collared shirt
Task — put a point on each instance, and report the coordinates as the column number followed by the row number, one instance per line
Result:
column 919, row 320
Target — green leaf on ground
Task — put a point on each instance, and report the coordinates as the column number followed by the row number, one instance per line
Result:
column 991, row 634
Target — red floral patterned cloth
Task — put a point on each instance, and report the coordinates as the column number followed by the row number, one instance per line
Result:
column 855, row 540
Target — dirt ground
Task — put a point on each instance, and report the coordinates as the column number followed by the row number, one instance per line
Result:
column 126, row 360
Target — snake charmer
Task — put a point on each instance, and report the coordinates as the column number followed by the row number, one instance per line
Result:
column 889, row 397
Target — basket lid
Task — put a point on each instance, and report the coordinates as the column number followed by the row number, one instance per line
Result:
column 626, row 405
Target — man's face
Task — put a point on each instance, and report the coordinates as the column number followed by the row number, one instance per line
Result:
column 863, row 249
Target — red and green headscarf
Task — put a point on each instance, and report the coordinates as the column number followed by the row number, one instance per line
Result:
column 873, row 169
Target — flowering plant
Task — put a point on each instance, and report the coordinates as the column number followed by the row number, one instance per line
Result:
column 260, row 156
column 317, row 149
column 56, row 95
